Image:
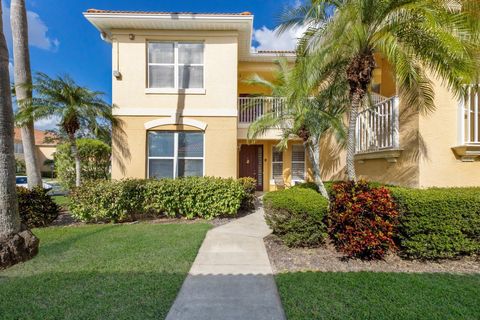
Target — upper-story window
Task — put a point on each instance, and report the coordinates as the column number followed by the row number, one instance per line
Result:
column 175, row 65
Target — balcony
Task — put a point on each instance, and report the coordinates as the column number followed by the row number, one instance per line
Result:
column 468, row 148
column 377, row 131
column 252, row 108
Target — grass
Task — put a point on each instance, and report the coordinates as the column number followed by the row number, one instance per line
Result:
column 61, row 200
column 363, row 295
column 101, row 272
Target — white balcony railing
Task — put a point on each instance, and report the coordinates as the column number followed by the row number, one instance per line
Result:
column 251, row 108
column 469, row 116
column 378, row 127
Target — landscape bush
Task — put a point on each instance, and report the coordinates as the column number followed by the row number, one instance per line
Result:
column 36, row 207
column 363, row 220
column 249, row 186
column 296, row 216
column 95, row 161
column 192, row 197
column 438, row 223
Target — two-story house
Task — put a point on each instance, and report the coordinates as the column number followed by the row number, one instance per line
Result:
column 179, row 89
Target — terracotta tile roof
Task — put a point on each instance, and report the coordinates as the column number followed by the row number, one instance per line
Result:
column 276, row 51
column 39, row 137
column 246, row 13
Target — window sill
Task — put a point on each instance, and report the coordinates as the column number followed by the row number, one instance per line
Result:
column 175, row 91
column 391, row 155
column 467, row 152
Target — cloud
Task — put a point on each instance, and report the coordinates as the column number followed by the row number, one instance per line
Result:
column 268, row 39
column 37, row 31
column 47, row 123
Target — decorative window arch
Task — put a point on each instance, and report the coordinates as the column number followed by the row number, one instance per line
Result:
column 176, row 121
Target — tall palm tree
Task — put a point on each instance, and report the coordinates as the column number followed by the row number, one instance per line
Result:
column 23, row 81
column 306, row 113
column 15, row 245
column 418, row 38
column 78, row 109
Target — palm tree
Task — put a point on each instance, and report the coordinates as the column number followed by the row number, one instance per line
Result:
column 78, row 109
column 15, row 245
column 303, row 115
column 23, row 81
column 418, row 38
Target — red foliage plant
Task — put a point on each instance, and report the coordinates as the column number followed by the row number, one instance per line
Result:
column 362, row 220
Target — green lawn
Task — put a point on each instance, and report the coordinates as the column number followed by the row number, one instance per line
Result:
column 61, row 200
column 101, row 272
column 379, row 296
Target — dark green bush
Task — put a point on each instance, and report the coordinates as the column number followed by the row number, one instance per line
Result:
column 36, row 207
column 194, row 197
column 438, row 223
column 296, row 216
column 249, row 186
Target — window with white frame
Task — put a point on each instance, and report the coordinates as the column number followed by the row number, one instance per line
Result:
column 175, row 65
column 18, row 147
column 298, row 162
column 175, row 154
column 277, row 164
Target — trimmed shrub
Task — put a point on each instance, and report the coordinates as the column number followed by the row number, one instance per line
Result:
column 104, row 200
column 249, row 186
column 438, row 223
column 296, row 216
column 193, row 197
column 36, row 207
column 95, row 161
column 362, row 220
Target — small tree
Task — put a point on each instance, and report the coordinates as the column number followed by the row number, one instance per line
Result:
column 308, row 113
column 95, row 157
column 78, row 108
column 418, row 38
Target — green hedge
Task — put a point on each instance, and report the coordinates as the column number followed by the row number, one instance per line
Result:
column 36, row 207
column 438, row 223
column 193, row 197
column 296, row 216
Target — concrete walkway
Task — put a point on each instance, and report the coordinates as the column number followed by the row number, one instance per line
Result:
column 231, row 277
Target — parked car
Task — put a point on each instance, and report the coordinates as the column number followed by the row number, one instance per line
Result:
column 22, row 181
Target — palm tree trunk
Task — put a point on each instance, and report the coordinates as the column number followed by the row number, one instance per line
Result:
column 23, row 80
column 15, row 245
column 9, row 217
column 352, row 123
column 76, row 157
column 313, row 147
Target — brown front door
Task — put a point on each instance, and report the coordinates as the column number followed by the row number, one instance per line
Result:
column 251, row 163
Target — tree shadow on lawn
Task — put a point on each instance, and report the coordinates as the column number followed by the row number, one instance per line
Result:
column 369, row 295
column 89, row 295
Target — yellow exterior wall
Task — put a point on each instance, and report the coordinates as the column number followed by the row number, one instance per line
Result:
column 246, row 70
column 439, row 166
column 220, row 147
column 45, row 152
column 220, row 72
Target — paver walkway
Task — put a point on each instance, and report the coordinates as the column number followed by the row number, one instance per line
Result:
column 231, row 277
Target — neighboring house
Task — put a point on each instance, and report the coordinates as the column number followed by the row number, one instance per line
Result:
column 178, row 86
column 44, row 150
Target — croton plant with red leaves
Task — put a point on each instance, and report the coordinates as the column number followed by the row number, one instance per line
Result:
column 362, row 220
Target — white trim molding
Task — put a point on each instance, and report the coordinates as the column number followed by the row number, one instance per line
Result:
column 175, row 119
column 160, row 112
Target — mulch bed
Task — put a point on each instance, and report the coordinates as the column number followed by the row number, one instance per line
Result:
column 327, row 259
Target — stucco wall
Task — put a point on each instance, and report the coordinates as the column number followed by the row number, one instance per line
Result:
column 439, row 130
column 220, row 72
column 220, row 146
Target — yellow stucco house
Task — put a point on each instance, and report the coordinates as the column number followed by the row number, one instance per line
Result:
column 178, row 86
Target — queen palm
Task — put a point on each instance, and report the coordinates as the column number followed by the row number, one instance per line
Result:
column 77, row 108
column 303, row 115
column 23, row 80
column 16, row 245
column 420, row 39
